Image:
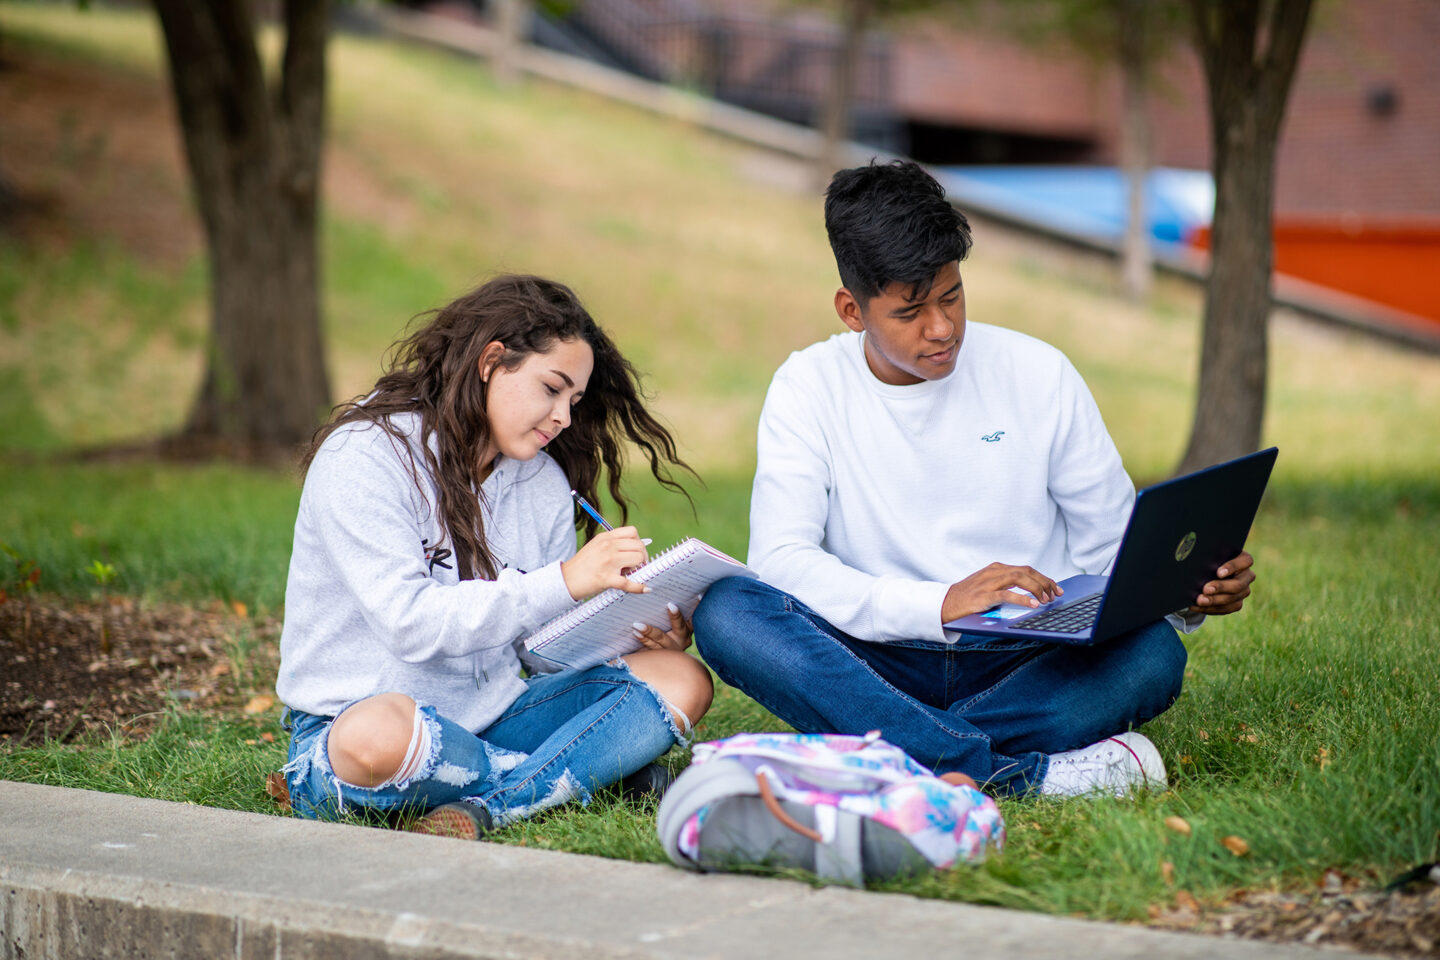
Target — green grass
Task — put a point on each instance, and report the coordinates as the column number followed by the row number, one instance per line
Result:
column 190, row 758
column 188, row 534
column 1308, row 724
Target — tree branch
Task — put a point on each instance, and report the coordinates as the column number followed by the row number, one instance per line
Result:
column 302, row 78
column 219, row 88
column 300, row 104
column 1286, row 35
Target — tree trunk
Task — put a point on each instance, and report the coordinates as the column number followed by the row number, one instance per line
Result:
column 512, row 26
column 254, row 159
column 1135, row 266
column 835, row 110
column 1248, row 68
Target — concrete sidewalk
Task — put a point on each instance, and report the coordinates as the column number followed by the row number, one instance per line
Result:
column 87, row 874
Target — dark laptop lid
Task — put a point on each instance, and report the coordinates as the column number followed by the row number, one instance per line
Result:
column 1179, row 534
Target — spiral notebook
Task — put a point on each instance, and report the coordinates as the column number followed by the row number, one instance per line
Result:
column 600, row 628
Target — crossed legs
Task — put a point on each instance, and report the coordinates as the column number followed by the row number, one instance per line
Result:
column 567, row 735
column 993, row 711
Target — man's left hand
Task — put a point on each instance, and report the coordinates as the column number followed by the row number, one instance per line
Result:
column 1227, row 593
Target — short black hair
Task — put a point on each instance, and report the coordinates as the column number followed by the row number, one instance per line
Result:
column 890, row 223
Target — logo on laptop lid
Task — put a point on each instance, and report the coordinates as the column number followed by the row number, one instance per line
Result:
column 1187, row 544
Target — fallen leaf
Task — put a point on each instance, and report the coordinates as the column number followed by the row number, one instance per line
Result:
column 1185, row 758
column 268, row 737
column 1235, row 845
column 1203, row 735
column 252, row 743
column 276, row 786
column 1179, row 824
column 1185, row 901
column 260, row 704
column 1167, row 872
column 239, row 608
column 1322, row 757
column 1248, row 738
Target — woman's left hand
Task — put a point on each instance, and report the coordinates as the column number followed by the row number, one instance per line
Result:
column 676, row 638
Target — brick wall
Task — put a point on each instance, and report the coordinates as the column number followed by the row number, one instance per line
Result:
column 1341, row 154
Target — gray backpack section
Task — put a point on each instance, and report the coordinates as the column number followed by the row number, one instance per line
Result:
column 741, row 832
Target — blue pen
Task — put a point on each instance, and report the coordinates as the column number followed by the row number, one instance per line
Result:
column 585, row 505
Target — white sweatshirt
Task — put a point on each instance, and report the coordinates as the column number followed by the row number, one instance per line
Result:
column 374, row 604
column 870, row 500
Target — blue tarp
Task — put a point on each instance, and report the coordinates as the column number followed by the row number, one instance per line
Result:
column 1089, row 201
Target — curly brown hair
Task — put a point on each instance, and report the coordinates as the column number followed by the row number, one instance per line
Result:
column 434, row 372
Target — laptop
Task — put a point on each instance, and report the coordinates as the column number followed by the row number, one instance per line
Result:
column 1179, row 534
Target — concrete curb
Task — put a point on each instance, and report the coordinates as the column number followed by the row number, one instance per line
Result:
column 86, row 874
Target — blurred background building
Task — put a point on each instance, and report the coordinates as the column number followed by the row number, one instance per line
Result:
column 1036, row 128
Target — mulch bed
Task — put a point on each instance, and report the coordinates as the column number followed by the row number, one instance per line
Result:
column 1404, row 922
column 57, row 683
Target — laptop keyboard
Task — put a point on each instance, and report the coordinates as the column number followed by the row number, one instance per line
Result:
column 1071, row 619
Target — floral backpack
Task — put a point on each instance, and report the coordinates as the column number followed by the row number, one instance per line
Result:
column 847, row 808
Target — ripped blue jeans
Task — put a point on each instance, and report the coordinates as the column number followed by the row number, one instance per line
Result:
column 566, row 736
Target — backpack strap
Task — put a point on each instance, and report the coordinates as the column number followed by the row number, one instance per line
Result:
column 840, row 860
column 778, row 812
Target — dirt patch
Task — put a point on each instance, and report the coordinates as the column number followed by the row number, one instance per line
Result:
column 70, row 172
column 78, row 174
column 1401, row 922
column 58, row 682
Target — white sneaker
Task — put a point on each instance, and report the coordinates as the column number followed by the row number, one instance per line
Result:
column 1115, row 765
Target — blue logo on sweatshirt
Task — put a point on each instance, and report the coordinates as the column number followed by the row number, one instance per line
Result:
column 993, row 437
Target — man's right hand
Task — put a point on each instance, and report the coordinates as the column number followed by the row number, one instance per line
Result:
column 993, row 585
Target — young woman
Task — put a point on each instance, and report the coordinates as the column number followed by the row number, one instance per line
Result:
column 435, row 530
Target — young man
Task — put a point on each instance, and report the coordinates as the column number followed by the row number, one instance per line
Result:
column 918, row 469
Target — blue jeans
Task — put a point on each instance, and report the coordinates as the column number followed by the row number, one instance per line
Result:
column 566, row 736
column 987, row 707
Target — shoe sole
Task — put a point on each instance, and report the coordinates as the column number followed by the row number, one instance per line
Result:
column 448, row 822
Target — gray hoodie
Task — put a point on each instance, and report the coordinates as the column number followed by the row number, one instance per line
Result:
column 373, row 603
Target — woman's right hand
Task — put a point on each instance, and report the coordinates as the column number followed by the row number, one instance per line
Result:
column 603, row 562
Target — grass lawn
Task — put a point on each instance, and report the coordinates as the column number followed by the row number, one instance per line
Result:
column 1309, row 724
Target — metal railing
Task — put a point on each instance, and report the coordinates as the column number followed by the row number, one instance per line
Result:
column 774, row 66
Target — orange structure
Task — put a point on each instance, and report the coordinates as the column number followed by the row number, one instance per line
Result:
column 1395, row 264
